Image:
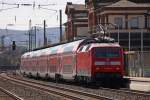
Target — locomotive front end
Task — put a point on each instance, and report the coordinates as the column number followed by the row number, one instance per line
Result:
column 107, row 62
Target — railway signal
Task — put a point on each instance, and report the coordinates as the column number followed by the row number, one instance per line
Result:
column 13, row 45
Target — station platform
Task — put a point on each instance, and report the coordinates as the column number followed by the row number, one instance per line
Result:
column 144, row 79
column 139, row 83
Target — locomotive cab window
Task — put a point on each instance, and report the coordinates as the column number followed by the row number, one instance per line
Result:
column 68, row 49
column 84, row 48
column 81, row 48
column 87, row 48
column 106, row 52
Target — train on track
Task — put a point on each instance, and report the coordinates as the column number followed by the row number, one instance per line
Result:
column 88, row 60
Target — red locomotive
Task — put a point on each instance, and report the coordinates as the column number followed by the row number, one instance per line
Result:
column 82, row 60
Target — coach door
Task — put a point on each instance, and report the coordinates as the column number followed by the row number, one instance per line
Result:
column 68, row 62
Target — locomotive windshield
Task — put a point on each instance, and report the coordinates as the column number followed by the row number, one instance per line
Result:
column 106, row 52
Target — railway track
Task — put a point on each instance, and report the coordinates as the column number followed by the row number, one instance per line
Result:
column 9, row 95
column 126, row 94
column 115, row 94
column 66, row 93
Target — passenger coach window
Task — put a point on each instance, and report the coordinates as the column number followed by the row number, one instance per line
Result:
column 53, row 51
column 68, row 48
column 87, row 48
column 81, row 48
column 107, row 52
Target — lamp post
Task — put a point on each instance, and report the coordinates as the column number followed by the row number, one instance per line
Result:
column 35, row 35
column 37, row 31
column 60, row 11
column 30, row 34
column 44, row 33
column 7, row 32
column 129, row 42
column 32, row 37
column 118, row 34
column 45, row 38
column 142, row 58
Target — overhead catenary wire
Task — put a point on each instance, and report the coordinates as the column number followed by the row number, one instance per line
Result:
column 52, row 9
column 27, row 4
column 34, row 5
column 47, row 9
column 8, row 8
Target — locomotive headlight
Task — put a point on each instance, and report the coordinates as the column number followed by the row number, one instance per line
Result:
column 115, row 63
column 107, row 63
column 97, row 68
column 117, row 68
column 99, row 63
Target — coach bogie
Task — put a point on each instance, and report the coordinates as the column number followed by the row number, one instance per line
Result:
column 37, row 75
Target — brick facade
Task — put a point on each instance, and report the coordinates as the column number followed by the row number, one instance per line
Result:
column 129, row 22
column 77, row 21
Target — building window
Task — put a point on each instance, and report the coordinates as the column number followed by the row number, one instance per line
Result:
column 148, row 22
column 118, row 22
column 134, row 23
column 80, row 15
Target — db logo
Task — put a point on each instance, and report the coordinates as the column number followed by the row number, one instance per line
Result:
column 107, row 59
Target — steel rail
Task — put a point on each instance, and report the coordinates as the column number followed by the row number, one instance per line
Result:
column 113, row 91
column 15, row 97
column 64, row 92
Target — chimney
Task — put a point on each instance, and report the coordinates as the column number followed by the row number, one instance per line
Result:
column 69, row 3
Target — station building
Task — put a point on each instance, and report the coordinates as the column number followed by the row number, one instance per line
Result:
column 77, row 21
column 128, row 21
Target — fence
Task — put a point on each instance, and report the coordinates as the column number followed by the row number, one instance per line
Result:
column 138, row 63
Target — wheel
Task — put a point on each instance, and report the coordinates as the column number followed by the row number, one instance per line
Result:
column 57, row 77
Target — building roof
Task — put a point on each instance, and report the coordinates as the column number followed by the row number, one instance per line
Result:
column 126, row 3
column 141, row 1
column 79, row 7
column 76, row 7
column 136, row 1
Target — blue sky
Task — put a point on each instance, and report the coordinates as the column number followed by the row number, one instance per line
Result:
column 24, row 13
